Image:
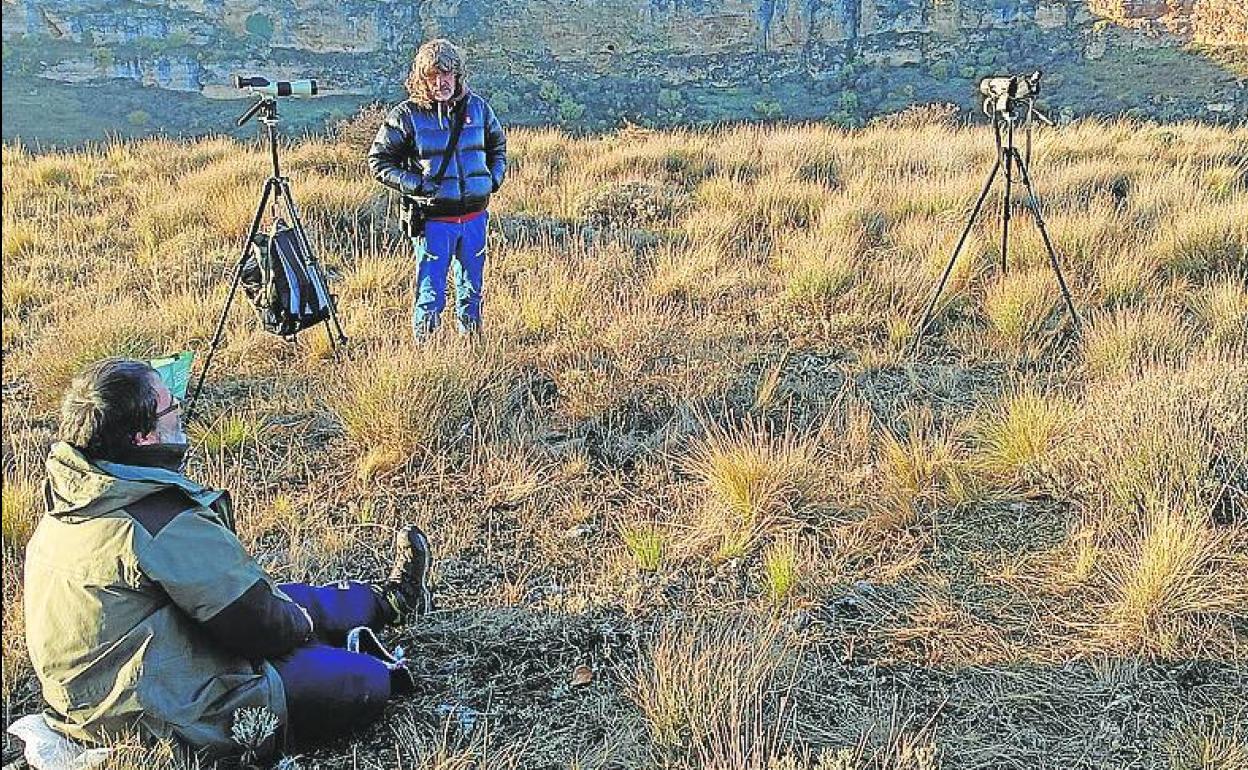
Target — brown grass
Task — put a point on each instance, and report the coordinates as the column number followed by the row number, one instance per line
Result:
column 715, row 692
column 695, row 399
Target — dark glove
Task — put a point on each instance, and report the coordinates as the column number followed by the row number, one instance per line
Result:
column 426, row 189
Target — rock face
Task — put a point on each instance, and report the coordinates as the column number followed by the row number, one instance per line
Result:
column 1212, row 22
column 594, row 62
column 1220, row 22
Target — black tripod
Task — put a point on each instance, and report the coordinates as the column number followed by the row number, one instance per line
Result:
column 277, row 188
column 1006, row 112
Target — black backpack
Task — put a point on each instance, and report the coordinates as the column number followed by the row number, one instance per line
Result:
column 283, row 282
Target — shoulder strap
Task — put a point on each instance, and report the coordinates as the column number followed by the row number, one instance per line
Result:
column 457, row 124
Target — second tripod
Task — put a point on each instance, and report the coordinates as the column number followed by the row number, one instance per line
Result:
column 1009, row 102
column 276, row 191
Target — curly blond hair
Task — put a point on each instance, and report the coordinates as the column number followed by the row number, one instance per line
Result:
column 439, row 55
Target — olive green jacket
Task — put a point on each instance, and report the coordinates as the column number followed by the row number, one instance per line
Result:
column 140, row 607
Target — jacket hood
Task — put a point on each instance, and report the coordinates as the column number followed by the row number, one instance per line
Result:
column 79, row 489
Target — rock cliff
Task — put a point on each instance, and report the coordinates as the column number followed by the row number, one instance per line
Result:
column 592, row 63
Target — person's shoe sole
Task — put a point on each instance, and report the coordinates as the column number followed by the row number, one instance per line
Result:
column 423, row 564
column 363, row 640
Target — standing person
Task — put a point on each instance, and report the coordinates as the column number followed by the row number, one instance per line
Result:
column 448, row 187
column 144, row 612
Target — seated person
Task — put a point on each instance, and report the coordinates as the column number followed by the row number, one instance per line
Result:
column 144, row 612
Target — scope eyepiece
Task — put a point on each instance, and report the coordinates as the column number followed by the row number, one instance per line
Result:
column 262, row 85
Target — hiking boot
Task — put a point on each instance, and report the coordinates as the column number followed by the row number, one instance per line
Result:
column 364, row 641
column 407, row 592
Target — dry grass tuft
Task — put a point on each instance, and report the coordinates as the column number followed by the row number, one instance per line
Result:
column 714, row 692
column 20, row 506
column 405, row 399
column 917, row 473
column 754, row 483
column 781, row 570
column 646, row 544
column 229, row 433
column 1125, row 341
column 818, row 268
column 1163, row 580
column 1198, row 243
column 1223, row 311
column 1018, row 305
column 1209, row 744
column 1019, row 438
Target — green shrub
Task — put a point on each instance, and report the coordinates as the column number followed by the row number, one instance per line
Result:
column 259, row 26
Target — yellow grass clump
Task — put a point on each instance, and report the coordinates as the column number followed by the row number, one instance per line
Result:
column 1163, row 578
column 1223, row 310
column 1018, row 305
column 1020, row 437
column 21, row 510
column 754, row 483
column 916, row 473
column 1125, row 341
column 406, row 399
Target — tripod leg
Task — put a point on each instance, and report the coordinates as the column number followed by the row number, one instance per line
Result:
column 225, row 311
column 1005, row 196
column 940, row 287
column 1034, row 205
column 284, row 193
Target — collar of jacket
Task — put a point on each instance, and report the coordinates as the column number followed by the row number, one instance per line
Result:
column 80, row 487
column 447, row 108
column 146, row 473
column 171, row 457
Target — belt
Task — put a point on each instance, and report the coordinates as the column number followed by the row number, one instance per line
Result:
column 459, row 220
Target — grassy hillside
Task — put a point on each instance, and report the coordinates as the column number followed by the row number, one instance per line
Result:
column 693, row 453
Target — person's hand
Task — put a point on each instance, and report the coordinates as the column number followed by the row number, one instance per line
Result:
column 426, row 189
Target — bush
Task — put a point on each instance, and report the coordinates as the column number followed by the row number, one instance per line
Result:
column 630, row 204
column 769, row 110
column 570, row 110
column 259, row 26
column 941, row 114
column 359, row 129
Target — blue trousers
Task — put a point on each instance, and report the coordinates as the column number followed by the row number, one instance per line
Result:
column 447, row 245
column 330, row 691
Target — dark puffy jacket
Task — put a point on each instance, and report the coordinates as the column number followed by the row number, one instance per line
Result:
column 410, row 145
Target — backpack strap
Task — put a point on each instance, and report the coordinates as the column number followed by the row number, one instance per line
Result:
column 457, row 124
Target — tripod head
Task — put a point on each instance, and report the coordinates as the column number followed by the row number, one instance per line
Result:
column 265, row 107
column 1007, row 95
column 1010, row 100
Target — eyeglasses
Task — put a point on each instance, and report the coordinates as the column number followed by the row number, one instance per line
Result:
column 174, row 406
